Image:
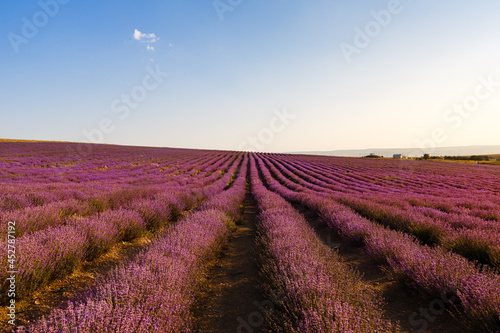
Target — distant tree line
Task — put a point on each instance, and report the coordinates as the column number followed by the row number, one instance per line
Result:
column 459, row 158
column 469, row 158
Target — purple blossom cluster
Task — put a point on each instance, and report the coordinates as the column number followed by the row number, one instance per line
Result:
column 57, row 251
column 320, row 292
column 447, row 222
column 434, row 225
column 154, row 291
column 55, row 236
column 428, row 269
column 34, row 174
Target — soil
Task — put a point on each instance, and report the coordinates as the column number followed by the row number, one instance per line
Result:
column 225, row 303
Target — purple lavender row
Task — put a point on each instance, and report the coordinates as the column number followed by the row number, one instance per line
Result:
column 468, row 198
column 24, row 181
column 478, row 242
column 125, row 175
column 31, row 219
column 474, row 238
column 155, row 291
column 334, row 179
column 431, row 270
column 55, row 252
column 78, row 185
column 318, row 291
column 54, row 214
column 475, row 205
column 392, row 177
column 417, row 176
column 481, row 208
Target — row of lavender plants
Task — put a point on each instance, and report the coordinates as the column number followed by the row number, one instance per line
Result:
column 431, row 270
column 472, row 237
column 464, row 200
column 318, row 292
column 467, row 202
column 36, row 179
column 59, row 250
column 449, row 199
column 155, row 291
column 443, row 179
column 112, row 181
column 32, row 219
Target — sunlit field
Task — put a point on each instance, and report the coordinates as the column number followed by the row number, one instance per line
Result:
column 105, row 238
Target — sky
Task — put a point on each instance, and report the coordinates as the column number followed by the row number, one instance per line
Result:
column 265, row 75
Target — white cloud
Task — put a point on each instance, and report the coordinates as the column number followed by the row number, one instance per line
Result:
column 151, row 48
column 149, row 38
column 137, row 34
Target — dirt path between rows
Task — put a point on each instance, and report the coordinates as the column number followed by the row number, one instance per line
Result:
column 414, row 312
column 226, row 302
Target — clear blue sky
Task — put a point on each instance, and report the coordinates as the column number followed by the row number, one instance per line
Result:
column 227, row 79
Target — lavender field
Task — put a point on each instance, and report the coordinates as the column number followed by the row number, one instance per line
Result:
column 142, row 239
